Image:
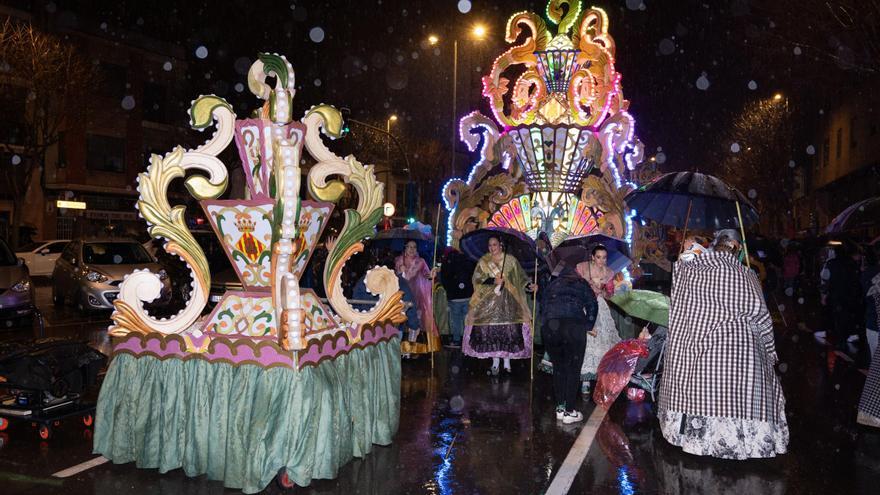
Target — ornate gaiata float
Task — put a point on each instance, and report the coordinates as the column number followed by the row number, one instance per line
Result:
column 565, row 154
column 272, row 381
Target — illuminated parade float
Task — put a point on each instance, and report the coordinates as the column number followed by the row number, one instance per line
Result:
column 272, row 381
column 561, row 152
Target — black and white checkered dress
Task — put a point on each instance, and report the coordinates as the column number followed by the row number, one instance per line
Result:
column 869, row 405
column 719, row 394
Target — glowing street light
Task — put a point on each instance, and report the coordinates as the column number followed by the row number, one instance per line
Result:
column 777, row 96
column 477, row 33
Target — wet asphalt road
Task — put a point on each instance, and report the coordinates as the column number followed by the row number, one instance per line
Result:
column 462, row 432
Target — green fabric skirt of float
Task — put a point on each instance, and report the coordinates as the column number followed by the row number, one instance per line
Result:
column 242, row 424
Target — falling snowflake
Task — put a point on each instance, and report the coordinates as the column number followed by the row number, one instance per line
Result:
column 667, row 46
column 16, row 159
column 703, row 82
column 753, row 194
column 239, row 87
column 734, row 147
column 783, row 367
column 317, row 82
column 316, row 34
column 128, row 102
column 781, row 308
column 456, row 403
column 660, row 158
column 464, row 6
column 242, row 65
column 811, row 150
column 753, row 85
column 792, row 164
column 635, row 4
column 789, row 291
column 167, row 66
column 202, row 52
column 103, row 26
column 797, row 50
column 800, row 300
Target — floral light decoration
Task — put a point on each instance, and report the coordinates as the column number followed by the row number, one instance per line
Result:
column 564, row 120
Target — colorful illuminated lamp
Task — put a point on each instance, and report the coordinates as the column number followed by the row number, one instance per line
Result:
column 561, row 133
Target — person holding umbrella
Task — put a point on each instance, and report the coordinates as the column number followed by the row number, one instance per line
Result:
column 569, row 312
column 604, row 334
column 497, row 324
column 414, row 269
column 720, row 393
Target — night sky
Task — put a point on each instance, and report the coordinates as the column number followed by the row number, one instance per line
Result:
column 688, row 66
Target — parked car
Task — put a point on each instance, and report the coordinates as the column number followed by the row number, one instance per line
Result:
column 16, row 289
column 40, row 256
column 89, row 272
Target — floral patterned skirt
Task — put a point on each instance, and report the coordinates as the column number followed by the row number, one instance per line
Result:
column 726, row 438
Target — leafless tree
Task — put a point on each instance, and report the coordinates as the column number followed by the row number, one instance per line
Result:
column 53, row 79
column 756, row 157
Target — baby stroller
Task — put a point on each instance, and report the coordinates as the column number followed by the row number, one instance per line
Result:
column 646, row 375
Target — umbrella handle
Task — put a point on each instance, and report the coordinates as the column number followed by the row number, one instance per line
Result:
column 687, row 218
column 436, row 237
column 742, row 230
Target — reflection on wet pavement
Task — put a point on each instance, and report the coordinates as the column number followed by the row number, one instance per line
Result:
column 464, row 432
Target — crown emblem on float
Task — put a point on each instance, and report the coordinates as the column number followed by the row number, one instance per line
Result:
column 244, row 223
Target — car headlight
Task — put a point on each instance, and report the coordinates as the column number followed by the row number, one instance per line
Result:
column 22, row 286
column 94, row 276
column 163, row 274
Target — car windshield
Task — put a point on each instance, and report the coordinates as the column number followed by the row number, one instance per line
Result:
column 7, row 258
column 115, row 253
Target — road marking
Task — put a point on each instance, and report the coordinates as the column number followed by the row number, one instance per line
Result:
column 572, row 464
column 66, row 473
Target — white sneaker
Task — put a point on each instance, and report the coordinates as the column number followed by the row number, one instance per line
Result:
column 572, row 417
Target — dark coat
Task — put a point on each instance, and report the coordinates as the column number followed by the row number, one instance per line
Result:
column 455, row 276
column 569, row 296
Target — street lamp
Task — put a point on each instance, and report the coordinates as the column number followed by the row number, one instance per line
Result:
column 392, row 118
column 477, row 33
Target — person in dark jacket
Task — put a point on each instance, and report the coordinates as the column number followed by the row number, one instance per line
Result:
column 844, row 295
column 569, row 310
column 455, row 276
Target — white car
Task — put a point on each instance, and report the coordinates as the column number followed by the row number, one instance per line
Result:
column 40, row 256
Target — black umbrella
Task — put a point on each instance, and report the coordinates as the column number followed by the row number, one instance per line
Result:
column 618, row 250
column 517, row 244
column 396, row 239
column 691, row 200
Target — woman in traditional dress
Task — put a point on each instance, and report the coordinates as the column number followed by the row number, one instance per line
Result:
column 720, row 395
column 497, row 324
column 604, row 334
column 414, row 269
